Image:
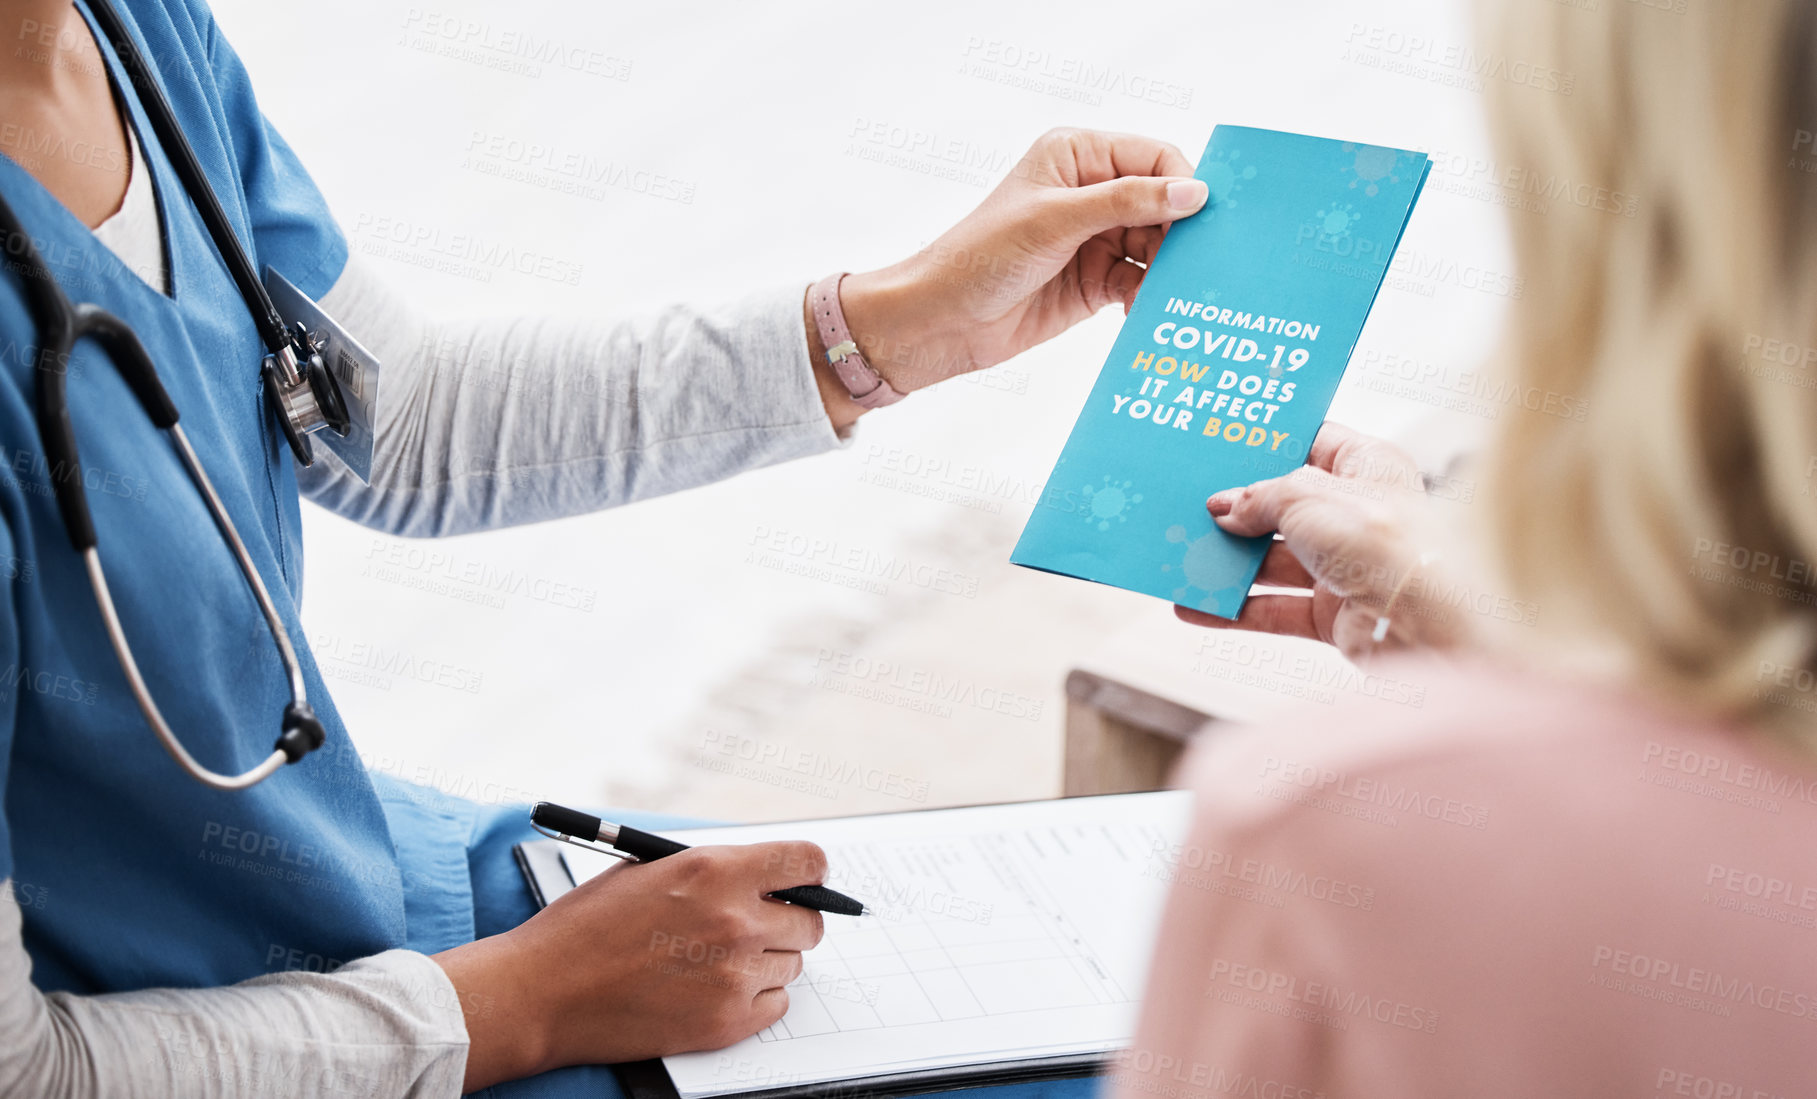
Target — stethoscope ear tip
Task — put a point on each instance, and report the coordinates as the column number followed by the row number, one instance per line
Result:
column 303, row 732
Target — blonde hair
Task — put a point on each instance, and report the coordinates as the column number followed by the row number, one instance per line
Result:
column 1665, row 282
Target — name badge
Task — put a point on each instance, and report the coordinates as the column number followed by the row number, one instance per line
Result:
column 354, row 368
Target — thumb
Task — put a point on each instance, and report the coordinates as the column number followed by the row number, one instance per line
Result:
column 1264, row 507
column 1131, row 202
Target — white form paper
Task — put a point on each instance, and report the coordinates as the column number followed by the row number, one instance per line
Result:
column 993, row 933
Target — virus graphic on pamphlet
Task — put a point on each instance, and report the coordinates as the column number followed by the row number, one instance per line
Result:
column 1372, row 164
column 1200, row 565
column 1110, row 500
column 1334, row 221
column 1224, row 178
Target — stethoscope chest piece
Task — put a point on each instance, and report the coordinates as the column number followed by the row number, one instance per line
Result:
column 304, row 394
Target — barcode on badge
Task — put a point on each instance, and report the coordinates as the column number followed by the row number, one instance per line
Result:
column 350, row 373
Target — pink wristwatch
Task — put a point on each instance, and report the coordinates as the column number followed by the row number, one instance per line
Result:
column 860, row 379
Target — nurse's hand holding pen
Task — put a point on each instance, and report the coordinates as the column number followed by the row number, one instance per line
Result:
column 686, row 953
column 644, row 960
column 1070, row 231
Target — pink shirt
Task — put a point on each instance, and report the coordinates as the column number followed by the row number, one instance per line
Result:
column 1498, row 885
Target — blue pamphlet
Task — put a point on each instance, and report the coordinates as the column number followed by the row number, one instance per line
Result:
column 1225, row 368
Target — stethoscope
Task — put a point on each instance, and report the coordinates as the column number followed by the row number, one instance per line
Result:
column 297, row 385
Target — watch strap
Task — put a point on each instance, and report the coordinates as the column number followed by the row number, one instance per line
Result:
column 860, row 379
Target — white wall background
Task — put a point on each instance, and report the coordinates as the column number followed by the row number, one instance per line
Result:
column 767, row 113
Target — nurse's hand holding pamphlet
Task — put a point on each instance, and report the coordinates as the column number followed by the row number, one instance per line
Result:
column 1069, row 231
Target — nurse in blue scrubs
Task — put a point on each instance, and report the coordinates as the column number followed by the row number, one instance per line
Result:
column 152, row 881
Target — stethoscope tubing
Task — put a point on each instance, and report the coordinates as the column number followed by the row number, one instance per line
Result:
column 116, row 635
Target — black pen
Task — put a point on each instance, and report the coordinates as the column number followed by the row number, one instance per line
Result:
column 578, row 827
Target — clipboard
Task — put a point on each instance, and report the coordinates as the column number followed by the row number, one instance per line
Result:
column 546, row 866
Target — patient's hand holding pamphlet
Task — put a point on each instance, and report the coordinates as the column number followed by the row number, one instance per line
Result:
column 1226, row 366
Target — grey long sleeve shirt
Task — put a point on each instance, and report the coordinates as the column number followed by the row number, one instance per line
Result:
column 493, row 423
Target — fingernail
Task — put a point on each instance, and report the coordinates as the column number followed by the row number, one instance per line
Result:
column 1187, row 194
column 1220, row 504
